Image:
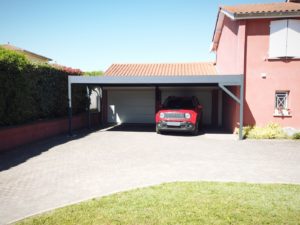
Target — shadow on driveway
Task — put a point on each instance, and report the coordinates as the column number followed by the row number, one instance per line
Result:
column 11, row 158
column 131, row 127
column 151, row 128
column 19, row 155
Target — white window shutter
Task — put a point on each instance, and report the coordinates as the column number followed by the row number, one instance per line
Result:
column 293, row 38
column 278, row 38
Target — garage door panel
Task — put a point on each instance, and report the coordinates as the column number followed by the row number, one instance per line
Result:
column 131, row 106
column 125, row 118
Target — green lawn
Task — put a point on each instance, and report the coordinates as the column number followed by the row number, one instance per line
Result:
column 185, row 203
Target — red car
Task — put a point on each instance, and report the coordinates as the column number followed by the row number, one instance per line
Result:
column 179, row 114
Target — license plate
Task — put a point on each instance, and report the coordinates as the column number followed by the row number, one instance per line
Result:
column 174, row 124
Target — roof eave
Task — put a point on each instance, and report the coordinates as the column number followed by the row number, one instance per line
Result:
column 244, row 16
column 37, row 55
column 229, row 14
column 260, row 15
column 217, row 30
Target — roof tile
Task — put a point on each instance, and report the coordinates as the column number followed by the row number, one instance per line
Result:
column 277, row 7
column 171, row 69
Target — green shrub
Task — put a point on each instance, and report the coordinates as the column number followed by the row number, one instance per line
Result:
column 93, row 73
column 296, row 136
column 29, row 92
column 246, row 131
column 270, row 131
column 12, row 62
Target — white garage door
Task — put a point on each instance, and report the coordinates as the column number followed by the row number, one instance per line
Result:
column 131, row 106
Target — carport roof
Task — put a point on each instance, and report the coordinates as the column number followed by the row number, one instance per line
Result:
column 165, row 80
column 162, row 69
column 184, row 79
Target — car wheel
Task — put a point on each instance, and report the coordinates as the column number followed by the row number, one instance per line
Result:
column 196, row 130
column 158, row 131
column 200, row 121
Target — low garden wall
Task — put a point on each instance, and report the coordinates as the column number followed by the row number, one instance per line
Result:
column 12, row 137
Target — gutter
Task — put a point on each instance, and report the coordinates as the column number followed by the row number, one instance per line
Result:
column 217, row 30
column 262, row 15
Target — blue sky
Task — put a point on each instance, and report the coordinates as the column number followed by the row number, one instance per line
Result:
column 93, row 34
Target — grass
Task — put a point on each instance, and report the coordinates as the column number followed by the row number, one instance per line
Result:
column 185, row 203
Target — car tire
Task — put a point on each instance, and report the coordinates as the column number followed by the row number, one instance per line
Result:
column 196, row 130
column 200, row 122
column 158, row 131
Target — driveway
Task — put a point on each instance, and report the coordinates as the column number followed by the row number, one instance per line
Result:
column 63, row 170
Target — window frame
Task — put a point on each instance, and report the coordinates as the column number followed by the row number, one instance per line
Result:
column 281, row 44
column 282, row 111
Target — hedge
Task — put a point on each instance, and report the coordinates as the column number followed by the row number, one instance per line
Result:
column 29, row 92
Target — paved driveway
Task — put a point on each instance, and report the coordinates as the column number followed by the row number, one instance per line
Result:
column 61, row 171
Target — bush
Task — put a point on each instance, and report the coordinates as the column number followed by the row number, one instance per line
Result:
column 271, row 131
column 93, row 73
column 296, row 136
column 12, row 62
column 30, row 92
column 246, row 131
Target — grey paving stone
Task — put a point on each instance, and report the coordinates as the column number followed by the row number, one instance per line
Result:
column 64, row 170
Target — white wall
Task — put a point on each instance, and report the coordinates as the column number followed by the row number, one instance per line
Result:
column 95, row 99
column 131, row 105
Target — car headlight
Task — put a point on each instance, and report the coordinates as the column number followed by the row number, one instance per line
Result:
column 187, row 115
column 162, row 115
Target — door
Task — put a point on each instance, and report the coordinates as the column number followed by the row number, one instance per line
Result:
column 131, row 106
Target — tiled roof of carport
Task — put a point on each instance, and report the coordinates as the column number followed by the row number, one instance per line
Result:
column 162, row 69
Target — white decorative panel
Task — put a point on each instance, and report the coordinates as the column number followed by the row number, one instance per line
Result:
column 293, row 38
column 278, row 38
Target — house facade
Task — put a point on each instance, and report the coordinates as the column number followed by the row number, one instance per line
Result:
column 254, row 81
column 262, row 41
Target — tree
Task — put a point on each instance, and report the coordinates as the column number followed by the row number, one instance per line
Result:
column 93, row 73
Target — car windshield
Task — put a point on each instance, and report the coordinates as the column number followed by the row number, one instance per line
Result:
column 178, row 103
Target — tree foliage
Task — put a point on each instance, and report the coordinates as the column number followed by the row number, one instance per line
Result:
column 30, row 92
column 93, row 73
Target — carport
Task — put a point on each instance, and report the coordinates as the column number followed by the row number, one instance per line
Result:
column 223, row 82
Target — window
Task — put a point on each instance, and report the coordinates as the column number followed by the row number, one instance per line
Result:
column 281, row 103
column 284, row 39
column 178, row 103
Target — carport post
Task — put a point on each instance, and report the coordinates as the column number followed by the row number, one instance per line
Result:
column 70, row 105
column 239, row 100
column 88, row 94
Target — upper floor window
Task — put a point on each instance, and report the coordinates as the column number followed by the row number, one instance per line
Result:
column 284, row 39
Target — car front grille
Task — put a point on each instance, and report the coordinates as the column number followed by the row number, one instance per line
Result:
column 171, row 115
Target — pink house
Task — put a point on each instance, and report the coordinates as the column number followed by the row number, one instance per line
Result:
column 257, row 50
column 261, row 41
